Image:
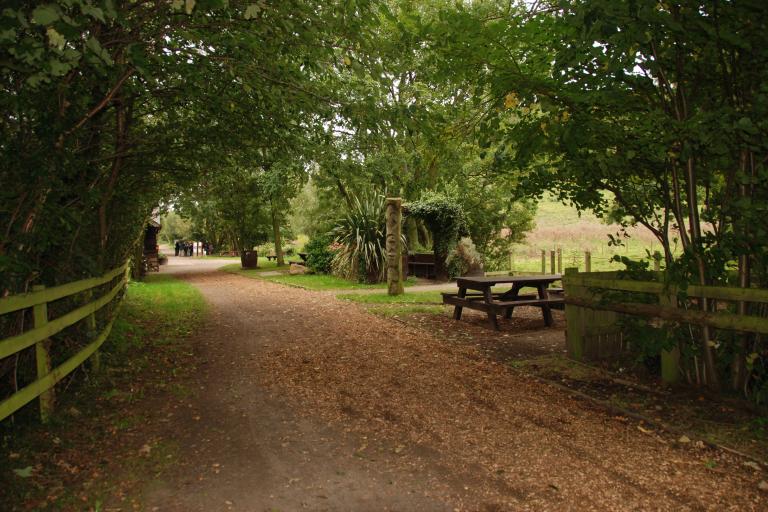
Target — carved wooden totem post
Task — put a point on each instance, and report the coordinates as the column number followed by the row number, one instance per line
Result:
column 394, row 247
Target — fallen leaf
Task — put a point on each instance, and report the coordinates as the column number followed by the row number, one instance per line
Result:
column 684, row 439
column 753, row 465
column 145, row 450
column 763, row 485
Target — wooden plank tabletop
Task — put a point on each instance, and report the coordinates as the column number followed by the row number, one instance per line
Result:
column 492, row 280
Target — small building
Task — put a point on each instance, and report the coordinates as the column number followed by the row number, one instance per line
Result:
column 151, row 248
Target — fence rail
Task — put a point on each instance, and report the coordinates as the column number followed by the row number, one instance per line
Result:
column 43, row 328
column 593, row 323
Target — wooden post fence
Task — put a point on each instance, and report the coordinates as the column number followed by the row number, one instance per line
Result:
column 43, row 355
column 543, row 261
column 43, row 328
column 552, row 261
column 593, row 325
column 587, row 261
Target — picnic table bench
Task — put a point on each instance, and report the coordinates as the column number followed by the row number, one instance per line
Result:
column 484, row 299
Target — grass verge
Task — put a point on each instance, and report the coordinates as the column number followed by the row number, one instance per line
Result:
column 405, row 298
column 306, row 281
column 397, row 310
column 97, row 447
column 409, row 303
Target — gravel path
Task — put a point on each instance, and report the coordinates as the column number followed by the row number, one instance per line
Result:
column 307, row 402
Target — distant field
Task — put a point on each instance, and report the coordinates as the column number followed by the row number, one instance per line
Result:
column 559, row 226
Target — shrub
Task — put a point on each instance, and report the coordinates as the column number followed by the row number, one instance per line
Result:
column 445, row 218
column 362, row 235
column 464, row 259
column 320, row 254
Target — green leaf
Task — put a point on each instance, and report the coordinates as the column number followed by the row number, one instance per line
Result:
column 24, row 472
column 45, row 15
column 93, row 44
column 93, row 12
column 8, row 35
column 59, row 68
column 252, row 11
column 55, row 39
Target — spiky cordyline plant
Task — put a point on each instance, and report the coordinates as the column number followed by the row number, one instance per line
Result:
column 362, row 233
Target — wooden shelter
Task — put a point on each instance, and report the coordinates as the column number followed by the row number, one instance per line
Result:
column 151, row 249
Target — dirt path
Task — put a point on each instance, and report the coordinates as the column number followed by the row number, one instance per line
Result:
column 306, row 402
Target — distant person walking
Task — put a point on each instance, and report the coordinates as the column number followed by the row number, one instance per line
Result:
column 177, row 248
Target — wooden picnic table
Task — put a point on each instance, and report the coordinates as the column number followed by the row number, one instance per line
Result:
column 495, row 303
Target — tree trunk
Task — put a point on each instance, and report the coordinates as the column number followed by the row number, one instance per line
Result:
column 739, row 373
column 441, row 268
column 411, row 233
column 137, row 263
column 394, row 246
column 276, row 231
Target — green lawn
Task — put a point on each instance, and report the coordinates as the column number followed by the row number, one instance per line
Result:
column 408, row 303
column 395, row 310
column 383, row 298
column 306, row 281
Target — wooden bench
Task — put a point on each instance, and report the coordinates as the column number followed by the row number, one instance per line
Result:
column 493, row 303
column 421, row 269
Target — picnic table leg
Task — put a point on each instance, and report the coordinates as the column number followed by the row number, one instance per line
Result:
column 457, row 309
column 546, row 311
column 513, row 293
column 488, row 296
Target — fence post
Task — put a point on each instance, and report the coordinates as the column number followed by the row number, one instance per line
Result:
column 670, row 359
column 560, row 261
column 90, row 323
column 43, row 356
column 552, row 261
column 587, row 261
column 511, row 261
column 574, row 333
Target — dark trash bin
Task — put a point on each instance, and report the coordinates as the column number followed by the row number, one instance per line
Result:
column 249, row 259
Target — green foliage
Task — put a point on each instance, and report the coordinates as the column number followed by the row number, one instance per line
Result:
column 174, row 227
column 320, row 254
column 228, row 209
column 446, row 220
column 361, row 235
column 464, row 259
